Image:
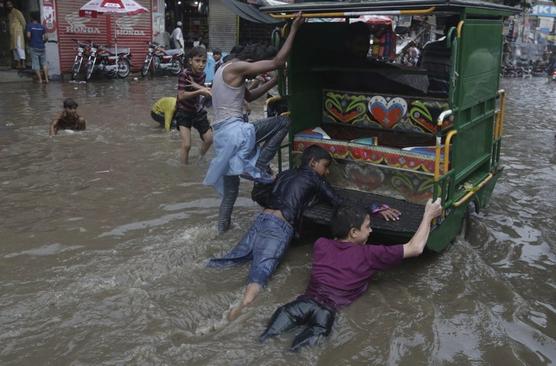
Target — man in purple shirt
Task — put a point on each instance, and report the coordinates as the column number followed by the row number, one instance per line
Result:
column 341, row 271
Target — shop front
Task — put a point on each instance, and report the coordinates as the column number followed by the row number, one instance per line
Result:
column 64, row 26
column 133, row 32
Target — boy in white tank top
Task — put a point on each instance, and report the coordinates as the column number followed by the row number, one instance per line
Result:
column 235, row 142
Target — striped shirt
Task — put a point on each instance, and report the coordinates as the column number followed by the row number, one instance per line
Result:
column 184, row 84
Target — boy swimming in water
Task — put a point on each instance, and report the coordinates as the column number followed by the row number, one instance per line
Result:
column 68, row 119
column 342, row 268
column 269, row 236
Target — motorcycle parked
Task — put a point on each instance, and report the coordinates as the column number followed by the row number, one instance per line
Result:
column 509, row 69
column 105, row 60
column 539, row 68
column 159, row 58
column 83, row 50
column 525, row 66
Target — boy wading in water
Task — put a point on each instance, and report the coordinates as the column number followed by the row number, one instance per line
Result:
column 68, row 119
column 235, row 142
column 342, row 268
column 269, row 236
column 190, row 111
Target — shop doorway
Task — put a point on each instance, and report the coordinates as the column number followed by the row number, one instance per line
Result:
column 194, row 16
column 26, row 7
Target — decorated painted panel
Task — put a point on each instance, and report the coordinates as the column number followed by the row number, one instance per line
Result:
column 405, row 113
column 414, row 187
column 382, row 170
column 378, row 155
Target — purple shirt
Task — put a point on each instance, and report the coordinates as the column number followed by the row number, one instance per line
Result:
column 341, row 270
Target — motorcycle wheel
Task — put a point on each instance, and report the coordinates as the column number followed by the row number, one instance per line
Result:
column 146, row 67
column 124, row 68
column 75, row 68
column 176, row 67
column 89, row 70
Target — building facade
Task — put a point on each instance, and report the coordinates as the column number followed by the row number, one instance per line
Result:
column 64, row 26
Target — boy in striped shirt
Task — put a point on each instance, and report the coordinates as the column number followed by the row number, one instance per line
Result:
column 190, row 111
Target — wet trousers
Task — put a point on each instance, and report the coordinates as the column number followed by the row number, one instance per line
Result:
column 271, row 131
column 302, row 311
column 264, row 244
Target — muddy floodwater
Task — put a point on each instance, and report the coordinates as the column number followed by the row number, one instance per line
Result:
column 104, row 236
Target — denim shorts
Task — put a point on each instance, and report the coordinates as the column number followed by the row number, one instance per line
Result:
column 265, row 244
column 38, row 58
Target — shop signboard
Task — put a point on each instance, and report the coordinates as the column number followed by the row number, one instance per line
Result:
column 548, row 11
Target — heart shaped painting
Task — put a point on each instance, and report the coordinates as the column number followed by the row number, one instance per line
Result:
column 387, row 112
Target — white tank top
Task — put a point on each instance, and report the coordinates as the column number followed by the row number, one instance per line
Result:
column 227, row 100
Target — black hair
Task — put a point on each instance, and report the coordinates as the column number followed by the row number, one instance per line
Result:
column 216, row 51
column 346, row 218
column 316, row 153
column 256, row 52
column 70, row 103
column 36, row 16
column 197, row 52
column 236, row 49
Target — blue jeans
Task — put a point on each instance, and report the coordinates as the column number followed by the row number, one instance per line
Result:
column 265, row 244
column 271, row 131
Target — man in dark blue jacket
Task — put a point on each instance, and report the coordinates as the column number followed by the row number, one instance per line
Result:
column 267, row 240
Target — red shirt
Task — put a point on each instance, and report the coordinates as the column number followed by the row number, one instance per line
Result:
column 341, row 270
column 184, row 84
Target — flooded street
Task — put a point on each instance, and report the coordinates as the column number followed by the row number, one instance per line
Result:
column 105, row 234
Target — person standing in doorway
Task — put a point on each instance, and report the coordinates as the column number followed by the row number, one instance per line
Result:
column 17, row 24
column 36, row 34
column 177, row 36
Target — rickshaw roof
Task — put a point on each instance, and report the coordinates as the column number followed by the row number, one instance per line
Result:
column 379, row 5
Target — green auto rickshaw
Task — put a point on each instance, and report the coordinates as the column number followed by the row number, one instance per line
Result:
column 400, row 133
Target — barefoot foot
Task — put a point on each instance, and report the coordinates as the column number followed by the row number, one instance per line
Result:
column 234, row 313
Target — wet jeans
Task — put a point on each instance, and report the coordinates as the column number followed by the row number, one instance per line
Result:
column 317, row 318
column 264, row 244
column 270, row 131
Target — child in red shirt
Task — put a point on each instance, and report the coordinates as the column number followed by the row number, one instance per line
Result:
column 341, row 270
